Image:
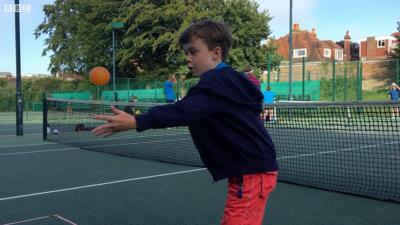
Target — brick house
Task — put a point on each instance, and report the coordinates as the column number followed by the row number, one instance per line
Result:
column 306, row 44
column 377, row 48
column 6, row 75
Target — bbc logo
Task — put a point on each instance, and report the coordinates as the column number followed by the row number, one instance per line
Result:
column 22, row 8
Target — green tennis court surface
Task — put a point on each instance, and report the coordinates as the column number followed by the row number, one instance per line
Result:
column 338, row 149
column 344, row 147
column 48, row 183
column 29, row 117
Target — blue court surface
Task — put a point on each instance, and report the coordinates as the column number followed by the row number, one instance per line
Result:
column 48, row 183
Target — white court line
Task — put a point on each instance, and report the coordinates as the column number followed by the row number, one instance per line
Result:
column 333, row 151
column 13, row 135
column 348, row 149
column 135, row 143
column 27, row 145
column 133, row 137
column 287, row 157
column 41, row 151
column 108, row 139
column 327, row 152
column 393, row 142
column 101, row 184
column 368, row 146
column 24, row 221
column 62, row 218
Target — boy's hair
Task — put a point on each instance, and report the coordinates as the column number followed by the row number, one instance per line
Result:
column 214, row 34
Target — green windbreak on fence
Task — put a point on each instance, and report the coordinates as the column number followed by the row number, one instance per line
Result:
column 72, row 95
column 281, row 90
column 143, row 95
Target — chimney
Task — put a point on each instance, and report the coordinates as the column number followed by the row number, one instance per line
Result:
column 347, row 36
column 296, row 27
column 314, row 32
column 347, row 47
column 371, row 48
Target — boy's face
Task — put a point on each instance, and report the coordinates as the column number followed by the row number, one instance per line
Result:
column 199, row 58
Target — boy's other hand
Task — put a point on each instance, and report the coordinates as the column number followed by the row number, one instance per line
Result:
column 120, row 121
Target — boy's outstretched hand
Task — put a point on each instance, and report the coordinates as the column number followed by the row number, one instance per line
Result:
column 120, row 121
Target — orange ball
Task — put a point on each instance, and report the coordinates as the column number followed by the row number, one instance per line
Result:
column 99, row 76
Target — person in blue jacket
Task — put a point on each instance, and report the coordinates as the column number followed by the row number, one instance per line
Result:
column 169, row 89
column 269, row 99
column 394, row 93
column 222, row 111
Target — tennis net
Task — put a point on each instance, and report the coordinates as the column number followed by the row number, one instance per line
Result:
column 351, row 147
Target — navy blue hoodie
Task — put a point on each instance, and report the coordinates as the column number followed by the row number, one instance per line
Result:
column 222, row 112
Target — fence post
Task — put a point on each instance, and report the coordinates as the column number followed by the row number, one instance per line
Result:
column 178, row 96
column 345, row 82
column 279, row 74
column 269, row 70
column 155, row 91
column 397, row 72
column 127, row 88
column 45, row 108
column 303, row 74
column 333, row 80
column 359, row 81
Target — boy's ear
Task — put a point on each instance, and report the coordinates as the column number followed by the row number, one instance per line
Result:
column 217, row 53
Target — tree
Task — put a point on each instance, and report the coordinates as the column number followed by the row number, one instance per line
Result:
column 79, row 34
column 397, row 49
column 3, row 82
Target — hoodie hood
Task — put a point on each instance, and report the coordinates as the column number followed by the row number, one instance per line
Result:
column 233, row 86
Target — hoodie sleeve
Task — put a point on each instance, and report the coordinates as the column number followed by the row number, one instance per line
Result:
column 197, row 105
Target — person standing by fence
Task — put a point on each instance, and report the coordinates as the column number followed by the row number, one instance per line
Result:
column 169, row 89
column 394, row 94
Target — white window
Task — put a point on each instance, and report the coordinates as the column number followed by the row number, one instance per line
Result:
column 381, row 43
column 338, row 54
column 327, row 52
column 299, row 53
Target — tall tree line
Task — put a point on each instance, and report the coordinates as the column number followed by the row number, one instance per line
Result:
column 397, row 49
column 79, row 34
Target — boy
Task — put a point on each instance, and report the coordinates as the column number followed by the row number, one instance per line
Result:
column 222, row 112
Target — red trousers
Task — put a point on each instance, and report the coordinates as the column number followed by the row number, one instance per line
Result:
column 247, row 198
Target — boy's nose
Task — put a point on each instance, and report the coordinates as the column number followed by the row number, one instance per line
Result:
column 188, row 60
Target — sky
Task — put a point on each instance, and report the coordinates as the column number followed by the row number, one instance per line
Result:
column 331, row 19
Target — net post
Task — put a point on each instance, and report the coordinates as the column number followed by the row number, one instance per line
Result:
column 45, row 108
